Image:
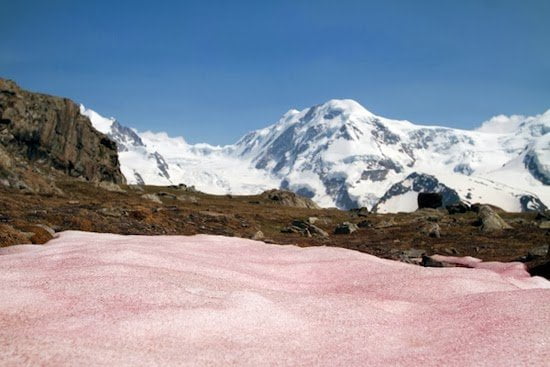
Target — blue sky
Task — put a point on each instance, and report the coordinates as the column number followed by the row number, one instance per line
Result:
column 213, row 70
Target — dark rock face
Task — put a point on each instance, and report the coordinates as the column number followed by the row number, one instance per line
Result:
column 432, row 200
column 50, row 131
column 530, row 203
column 533, row 164
column 421, row 183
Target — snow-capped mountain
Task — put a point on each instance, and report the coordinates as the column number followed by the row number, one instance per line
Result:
column 157, row 159
column 340, row 154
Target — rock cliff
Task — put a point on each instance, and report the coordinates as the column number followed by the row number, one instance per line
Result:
column 44, row 131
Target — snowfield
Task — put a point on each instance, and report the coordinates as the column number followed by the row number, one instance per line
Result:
column 102, row 299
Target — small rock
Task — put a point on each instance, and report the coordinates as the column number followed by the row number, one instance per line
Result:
column 458, row 208
column 109, row 186
column 258, row 236
column 291, row 229
column 431, row 229
column 186, row 198
column 312, row 220
column 316, row 231
column 152, row 197
column 450, row 251
column 540, row 251
column 545, row 224
column 345, row 228
column 112, row 212
column 360, row 212
column 364, row 224
column 166, row 195
column 411, row 254
column 305, row 228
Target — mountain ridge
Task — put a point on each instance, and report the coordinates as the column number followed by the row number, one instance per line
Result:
column 340, row 154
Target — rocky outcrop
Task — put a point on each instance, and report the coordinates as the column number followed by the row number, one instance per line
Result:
column 490, row 220
column 49, row 131
column 288, row 198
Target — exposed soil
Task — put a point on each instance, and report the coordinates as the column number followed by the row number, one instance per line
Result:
column 87, row 207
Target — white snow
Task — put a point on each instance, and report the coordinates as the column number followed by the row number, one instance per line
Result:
column 100, row 123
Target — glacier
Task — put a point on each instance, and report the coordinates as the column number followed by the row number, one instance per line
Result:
column 341, row 155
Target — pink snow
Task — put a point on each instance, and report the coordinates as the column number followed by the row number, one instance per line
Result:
column 101, row 299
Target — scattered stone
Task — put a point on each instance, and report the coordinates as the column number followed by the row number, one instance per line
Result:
column 110, row 186
column 312, row 220
column 490, row 220
column 305, row 228
column 458, row 208
column 74, row 202
column 152, row 197
column 432, row 200
column 184, row 187
column 188, row 198
column 166, row 195
column 450, row 251
column 316, row 231
column 291, row 229
column 345, row 228
column 411, row 256
column 432, row 230
column 258, row 236
column 545, row 224
column 364, row 224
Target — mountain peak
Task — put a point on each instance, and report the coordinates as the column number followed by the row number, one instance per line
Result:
column 345, row 106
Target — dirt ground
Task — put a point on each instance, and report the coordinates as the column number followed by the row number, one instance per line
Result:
column 175, row 211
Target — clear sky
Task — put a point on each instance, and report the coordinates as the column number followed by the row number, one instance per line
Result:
column 213, row 70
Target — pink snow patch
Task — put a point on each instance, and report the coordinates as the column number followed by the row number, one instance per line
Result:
column 101, row 299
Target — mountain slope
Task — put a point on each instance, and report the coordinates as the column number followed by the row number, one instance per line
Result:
column 340, row 154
